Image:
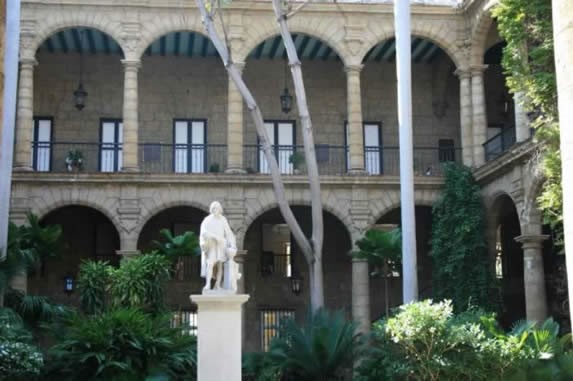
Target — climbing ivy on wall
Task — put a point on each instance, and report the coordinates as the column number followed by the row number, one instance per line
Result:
column 461, row 270
column 528, row 63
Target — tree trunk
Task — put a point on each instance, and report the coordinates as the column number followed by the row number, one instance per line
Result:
column 317, row 289
column 312, row 250
column 563, row 35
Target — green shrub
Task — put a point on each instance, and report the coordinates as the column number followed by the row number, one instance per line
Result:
column 122, row 344
column 19, row 361
column 461, row 271
column 139, row 282
column 92, row 285
column 426, row 341
column 323, row 349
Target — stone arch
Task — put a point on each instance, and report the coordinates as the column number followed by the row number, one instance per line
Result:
column 161, row 26
column 344, row 218
column 44, row 209
column 479, row 35
column 331, row 34
column 422, row 29
column 382, row 206
column 150, row 213
column 65, row 20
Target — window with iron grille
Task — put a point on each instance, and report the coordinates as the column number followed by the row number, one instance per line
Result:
column 270, row 323
column 186, row 320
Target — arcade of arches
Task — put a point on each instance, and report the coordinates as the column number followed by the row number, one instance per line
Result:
column 164, row 132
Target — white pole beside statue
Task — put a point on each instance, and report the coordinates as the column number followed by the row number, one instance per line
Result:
column 219, row 317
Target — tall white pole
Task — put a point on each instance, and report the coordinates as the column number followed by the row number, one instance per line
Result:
column 563, row 35
column 404, row 72
column 11, row 43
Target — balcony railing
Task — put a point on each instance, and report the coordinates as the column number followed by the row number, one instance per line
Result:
column 331, row 159
column 182, row 158
column 499, row 143
column 205, row 158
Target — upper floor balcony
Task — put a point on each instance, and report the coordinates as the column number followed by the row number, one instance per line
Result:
column 160, row 158
column 171, row 108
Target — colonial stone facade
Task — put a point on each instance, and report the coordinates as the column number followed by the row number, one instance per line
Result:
column 350, row 81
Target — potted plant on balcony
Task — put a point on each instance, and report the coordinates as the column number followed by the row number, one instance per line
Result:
column 75, row 161
column 297, row 161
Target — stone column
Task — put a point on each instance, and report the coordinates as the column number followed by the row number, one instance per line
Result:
column 479, row 116
column 25, row 116
column 534, row 277
column 235, row 126
column 563, row 36
column 355, row 133
column 361, row 294
column 521, row 120
column 130, row 116
column 466, row 132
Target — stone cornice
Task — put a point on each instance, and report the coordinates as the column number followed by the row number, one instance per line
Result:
column 516, row 155
column 36, row 178
column 252, row 5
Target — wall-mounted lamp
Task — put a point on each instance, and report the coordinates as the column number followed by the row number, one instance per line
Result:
column 295, row 284
column 69, row 284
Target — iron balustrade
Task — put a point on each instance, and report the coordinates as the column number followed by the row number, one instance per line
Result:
column 332, row 160
column 499, row 143
column 182, row 158
column 428, row 161
column 76, row 157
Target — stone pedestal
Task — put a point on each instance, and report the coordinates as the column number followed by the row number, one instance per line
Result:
column 219, row 326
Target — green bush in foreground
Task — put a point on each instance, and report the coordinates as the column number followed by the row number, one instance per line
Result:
column 427, row 341
column 322, row 350
column 123, row 344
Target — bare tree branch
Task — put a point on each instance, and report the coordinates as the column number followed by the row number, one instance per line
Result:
column 257, row 116
column 299, row 8
column 317, row 292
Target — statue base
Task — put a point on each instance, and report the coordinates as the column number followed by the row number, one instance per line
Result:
column 219, row 336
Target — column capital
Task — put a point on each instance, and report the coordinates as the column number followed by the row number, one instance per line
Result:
column 131, row 65
column 359, row 260
column 240, row 65
column 478, row 69
column 28, row 62
column 240, row 256
column 353, row 68
column 463, row 73
column 532, row 241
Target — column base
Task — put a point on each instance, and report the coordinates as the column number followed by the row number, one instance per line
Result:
column 235, row 171
column 219, row 336
column 22, row 168
column 130, row 169
column 358, row 172
column 126, row 255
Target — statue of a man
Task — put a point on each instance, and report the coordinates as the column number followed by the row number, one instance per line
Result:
column 218, row 246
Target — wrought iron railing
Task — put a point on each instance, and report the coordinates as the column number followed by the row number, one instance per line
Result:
column 499, row 143
column 212, row 158
column 182, row 158
column 331, row 159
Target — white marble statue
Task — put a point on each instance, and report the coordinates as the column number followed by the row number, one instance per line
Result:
column 218, row 249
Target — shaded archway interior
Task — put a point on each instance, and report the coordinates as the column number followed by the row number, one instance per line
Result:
column 186, row 278
column 86, row 234
column 391, row 220
column 435, row 103
column 509, row 261
column 273, row 258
